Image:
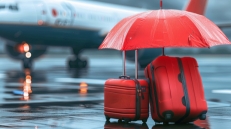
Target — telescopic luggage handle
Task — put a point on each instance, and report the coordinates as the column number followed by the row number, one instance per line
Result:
column 124, row 77
column 136, row 64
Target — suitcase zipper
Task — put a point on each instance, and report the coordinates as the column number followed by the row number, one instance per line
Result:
column 155, row 92
column 138, row 103
column 186, row 96
column 141, row 94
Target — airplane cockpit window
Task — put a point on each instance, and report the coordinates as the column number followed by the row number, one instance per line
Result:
column 13, row 7
column 2, row 6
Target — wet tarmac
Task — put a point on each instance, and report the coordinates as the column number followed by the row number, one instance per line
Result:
column 55, row 97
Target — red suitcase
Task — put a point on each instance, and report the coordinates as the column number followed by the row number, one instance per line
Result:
column 176, row 90
column 126, row 99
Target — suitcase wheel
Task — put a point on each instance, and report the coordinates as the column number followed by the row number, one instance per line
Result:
column 144, row 120
column 157, row 122
column 202, row 117
column 165, row 123
column 107, row 118
column 126, row 121
column 168, row 116
column 120, row 121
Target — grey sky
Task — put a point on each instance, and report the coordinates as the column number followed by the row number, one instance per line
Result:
column 219, row 11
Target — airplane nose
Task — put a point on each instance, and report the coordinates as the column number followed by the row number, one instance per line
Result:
column 13, row 13
column 3, row 16
column 8, row 17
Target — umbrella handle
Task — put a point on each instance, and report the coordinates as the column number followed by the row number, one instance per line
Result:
column 163, row 51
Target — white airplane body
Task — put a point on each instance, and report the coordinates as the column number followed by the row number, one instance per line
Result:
column 77, row 24
column 87, row 15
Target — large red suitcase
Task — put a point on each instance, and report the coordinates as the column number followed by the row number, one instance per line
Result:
column 126, row 99
column 176, row 90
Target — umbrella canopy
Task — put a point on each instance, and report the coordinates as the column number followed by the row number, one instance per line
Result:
column 164, row 28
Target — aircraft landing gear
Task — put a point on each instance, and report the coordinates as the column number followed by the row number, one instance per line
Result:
column 27, row 63
column 77, row 63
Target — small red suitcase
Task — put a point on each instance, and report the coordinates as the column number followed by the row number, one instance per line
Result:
column 126, row 99
column 176, row 90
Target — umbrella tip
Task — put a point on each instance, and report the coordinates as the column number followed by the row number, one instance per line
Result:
column 161, row 4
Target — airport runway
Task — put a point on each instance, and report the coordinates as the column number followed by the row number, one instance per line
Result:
column 55, row 97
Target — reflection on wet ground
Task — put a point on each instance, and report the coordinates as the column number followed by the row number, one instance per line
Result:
column 196, row 125
column 52, row 96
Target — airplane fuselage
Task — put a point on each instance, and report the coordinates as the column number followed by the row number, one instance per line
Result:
column 58, row 22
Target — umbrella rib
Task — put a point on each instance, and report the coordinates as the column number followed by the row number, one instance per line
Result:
column 198, row 21
column 120, row 30
column 184, row 25
column 134, row 19
column 171, row 12
column 169, row 30
column 132, row 34
column 211, row 34
column 164, row 18
column 204, row 31
column 154, row 27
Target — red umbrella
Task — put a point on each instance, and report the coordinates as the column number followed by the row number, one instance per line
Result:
column 164, row 28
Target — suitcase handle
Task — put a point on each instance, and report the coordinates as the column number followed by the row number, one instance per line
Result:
column 124, row 76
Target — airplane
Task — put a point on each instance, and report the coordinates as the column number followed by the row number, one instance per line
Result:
column 28, row 27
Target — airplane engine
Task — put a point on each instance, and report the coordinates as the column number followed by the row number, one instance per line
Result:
column 25, row 53
column 145, row 56
column 13, row 52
